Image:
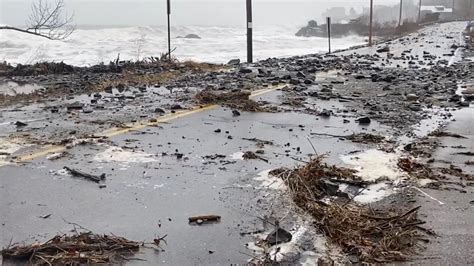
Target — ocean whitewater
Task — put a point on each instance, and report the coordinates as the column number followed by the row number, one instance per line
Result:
column 89, row 46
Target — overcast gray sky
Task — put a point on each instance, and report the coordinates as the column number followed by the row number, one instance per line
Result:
column 185, row 12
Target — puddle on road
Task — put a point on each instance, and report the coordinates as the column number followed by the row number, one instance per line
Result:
column 11, row 88
column 119, row 155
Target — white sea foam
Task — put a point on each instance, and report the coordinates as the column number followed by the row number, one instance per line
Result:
column 218, row 44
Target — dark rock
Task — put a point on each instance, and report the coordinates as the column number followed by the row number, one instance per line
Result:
column 294, row 81
column 75, row 106
column 245, row 70
column 87, row 110
column 20, row 124
column 325, row 113
column 330, row 188
column 364, row 120
column 176, row 107
column 234, row 62
column 189, row 36
column 235, row 113
column 384, row 49
column 279, row 236
column 415, row 107
column 159, row 111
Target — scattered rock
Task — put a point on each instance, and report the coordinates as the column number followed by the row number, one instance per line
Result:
column 279, row 236
column 364, row 120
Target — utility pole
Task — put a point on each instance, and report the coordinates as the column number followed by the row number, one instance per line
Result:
column 453, row 16
column 249, row 32
column 470, row 12
column 419, row 12
column 329, row 33
column 401, row 12
column 168, row 7
column 371, row 21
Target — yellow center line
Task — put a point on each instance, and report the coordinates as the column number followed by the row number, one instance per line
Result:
column 112, row 132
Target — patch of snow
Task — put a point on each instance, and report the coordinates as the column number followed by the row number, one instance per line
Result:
column 424, row 182
column 119, row 155
column 374, row 193
column 6, row 148
column 237, row 156
column 374, row 164
column 268, row 181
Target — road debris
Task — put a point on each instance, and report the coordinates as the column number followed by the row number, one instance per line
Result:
column 91, row 177
column 77, row 249
column 439, row 133
column 204, row 219
column 374, row 236
column 235, row 99
column 249, row 155
column 46, row 216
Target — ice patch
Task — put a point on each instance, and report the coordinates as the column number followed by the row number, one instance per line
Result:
column 119, row 155
column 7, row 148
column 268, row 181
column 374, row 164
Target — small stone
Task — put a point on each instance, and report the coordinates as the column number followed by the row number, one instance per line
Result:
column 279, row 236
column 159, row 111
column 412, row 97
column 234, row 62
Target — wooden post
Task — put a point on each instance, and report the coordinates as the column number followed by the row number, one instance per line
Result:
column 401, row 12
column 328, row 19
column 249, row 32
column 168, row 7
column 419, row 12
column 371, row 21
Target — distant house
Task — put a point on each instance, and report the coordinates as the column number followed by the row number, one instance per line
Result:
column 337, row 14
column 430, row 13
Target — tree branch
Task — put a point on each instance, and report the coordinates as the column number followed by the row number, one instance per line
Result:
column 25, row 31
column 47, row 20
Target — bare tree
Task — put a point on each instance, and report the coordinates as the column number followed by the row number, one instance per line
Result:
column 47, row 20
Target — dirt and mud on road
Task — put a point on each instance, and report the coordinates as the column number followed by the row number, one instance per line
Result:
column 365, row 155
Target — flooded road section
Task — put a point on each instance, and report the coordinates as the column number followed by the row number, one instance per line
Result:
column 159, row 176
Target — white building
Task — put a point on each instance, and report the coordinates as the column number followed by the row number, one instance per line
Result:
column 445, row 13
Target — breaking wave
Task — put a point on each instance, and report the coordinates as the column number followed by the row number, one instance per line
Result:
column 92, row 45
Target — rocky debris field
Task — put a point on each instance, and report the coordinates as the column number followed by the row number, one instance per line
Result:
column 383, row 112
